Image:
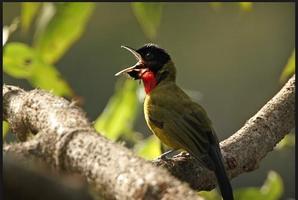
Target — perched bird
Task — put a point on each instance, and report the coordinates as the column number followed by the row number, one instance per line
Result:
column 172, row 116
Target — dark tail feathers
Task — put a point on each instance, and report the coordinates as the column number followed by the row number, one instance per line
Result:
column 221, row 175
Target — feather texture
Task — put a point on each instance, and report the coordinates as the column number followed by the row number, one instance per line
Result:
column 185, row 125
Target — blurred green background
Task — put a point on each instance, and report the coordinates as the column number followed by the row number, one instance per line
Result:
column 229, row 58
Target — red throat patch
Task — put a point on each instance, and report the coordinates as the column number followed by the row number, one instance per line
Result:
column 149, row 81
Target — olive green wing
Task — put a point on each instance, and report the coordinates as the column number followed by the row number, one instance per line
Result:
column 183, row 120
column 191, row 128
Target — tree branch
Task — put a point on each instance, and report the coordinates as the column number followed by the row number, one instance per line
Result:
column 66, row 140
column 244, row 150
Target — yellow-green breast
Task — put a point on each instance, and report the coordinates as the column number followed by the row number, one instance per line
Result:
column 156, row 121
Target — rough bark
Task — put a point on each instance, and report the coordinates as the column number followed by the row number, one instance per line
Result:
column 244, row 150
column 66, row 140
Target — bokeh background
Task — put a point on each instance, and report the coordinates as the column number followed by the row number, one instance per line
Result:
column 229, row 58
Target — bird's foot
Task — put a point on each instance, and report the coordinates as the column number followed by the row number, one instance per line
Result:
column 167, row 155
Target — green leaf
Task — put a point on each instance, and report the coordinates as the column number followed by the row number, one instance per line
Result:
column 5, row 128
column 19, row 60
column 28, row 12
column 248, row 193
column 272, row 189
column 287, row 141
column 66, row 27
column 210, row 195
column 289, row 69
column 22, row 61
column 149, row 148
column 119, row 114
column 149, row 17
column 48, row 78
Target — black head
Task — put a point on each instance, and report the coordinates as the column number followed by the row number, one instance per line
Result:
column 153, row 56
column 150, row 57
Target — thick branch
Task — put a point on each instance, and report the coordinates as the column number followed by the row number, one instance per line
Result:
column 73, row 150
column 65, row 139
column 244, row 150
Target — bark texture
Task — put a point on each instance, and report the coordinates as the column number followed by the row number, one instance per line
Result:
column 66, row 140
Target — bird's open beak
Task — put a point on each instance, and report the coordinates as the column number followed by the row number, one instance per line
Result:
column 136, row 70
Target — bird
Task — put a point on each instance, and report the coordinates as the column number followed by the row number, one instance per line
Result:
column 173, row 116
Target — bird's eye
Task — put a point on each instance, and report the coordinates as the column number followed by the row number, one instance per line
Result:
column 149, row 56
